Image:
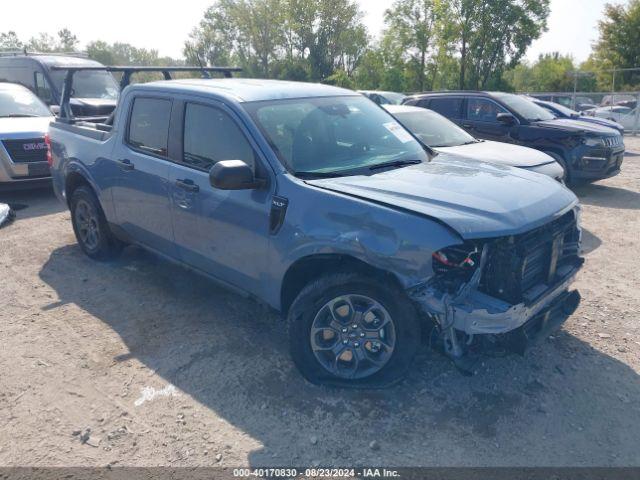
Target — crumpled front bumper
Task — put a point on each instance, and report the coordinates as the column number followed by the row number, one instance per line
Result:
column 478, row 313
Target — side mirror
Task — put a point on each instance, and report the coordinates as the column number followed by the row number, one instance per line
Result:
column 233, row 175
column 506, row 118
column 55, row 109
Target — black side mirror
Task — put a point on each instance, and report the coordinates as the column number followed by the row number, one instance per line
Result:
column 233, row 175
column 506, row 118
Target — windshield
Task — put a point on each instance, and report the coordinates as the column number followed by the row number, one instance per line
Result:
column 89, row 84
column 393, row 98
column 332, row 136
column 433, row 129
column 20, row 102
column 567, row 112
column 523, row 107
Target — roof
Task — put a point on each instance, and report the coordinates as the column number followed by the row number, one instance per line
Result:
column 381, row 92
column 246, row 89
column 52, row 60
column 452, row 92
column 65, row 60
column 403, row 109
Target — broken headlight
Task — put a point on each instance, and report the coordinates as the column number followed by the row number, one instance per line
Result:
column 457, row 263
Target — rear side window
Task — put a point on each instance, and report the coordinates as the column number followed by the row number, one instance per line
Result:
column 483, row 110
column 447, row 107
column 211, row 135
column 22, row 75
column 42, row 88
column 149, row 125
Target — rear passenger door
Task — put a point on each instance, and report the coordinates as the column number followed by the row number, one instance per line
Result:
column 449, row 107
column 221, row 232
column 481, row 120
column 139, row 173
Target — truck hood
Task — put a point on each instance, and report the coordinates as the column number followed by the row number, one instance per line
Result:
column 477, row 200
column 497, row 152
column 24, row 127
column 575, row 125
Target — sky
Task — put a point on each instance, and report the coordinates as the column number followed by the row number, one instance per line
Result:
column 150, row 24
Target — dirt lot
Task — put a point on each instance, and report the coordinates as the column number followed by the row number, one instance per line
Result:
column 166, row 368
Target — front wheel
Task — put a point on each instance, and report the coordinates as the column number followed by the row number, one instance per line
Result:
column 352, row 330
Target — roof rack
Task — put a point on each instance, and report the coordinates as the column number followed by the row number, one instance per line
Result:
column 16, row 52
column 127, row 72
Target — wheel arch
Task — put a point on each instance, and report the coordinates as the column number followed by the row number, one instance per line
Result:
column 306, row 269
column 73, row 180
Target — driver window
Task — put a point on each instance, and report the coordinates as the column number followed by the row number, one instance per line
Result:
column 210, row 135
column 483, row 110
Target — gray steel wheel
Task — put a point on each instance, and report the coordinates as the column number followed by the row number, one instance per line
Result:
column 353, row 336
column 87, row 223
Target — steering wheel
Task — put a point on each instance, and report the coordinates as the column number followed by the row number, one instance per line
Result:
column 360, row 148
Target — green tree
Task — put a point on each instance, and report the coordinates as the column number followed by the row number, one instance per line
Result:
column 493, row 36
column 306, row 38
column 618, row 45
column 368, row 74
column 43, row 42
column 67, row 41
column 551, row 72
column 9, row 40
column 411, row 25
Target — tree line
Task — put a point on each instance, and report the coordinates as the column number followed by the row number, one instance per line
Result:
column 425, row 45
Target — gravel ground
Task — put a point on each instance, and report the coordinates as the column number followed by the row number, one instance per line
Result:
column 142, row 363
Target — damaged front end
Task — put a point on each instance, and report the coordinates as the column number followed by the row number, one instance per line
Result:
column 508, row 291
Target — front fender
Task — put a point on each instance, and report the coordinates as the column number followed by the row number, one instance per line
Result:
column 329, row 223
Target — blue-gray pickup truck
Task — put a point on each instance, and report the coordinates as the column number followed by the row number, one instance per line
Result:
column 315, row 201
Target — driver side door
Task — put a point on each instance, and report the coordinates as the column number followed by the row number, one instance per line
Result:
column 481, row 120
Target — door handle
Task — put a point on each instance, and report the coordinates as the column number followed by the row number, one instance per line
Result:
column 188, row 185
column 467, row 125
column 125, row 164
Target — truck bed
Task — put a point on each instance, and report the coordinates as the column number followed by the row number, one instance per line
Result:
column 85, row 128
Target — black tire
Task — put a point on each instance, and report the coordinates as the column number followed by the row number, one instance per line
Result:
column 561, row 161
column 314, row 298
column 103, row 245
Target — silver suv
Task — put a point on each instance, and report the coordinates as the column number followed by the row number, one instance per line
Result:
column 24, row 120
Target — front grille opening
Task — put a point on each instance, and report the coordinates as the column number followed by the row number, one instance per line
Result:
column 519, row 264
column 26, row 150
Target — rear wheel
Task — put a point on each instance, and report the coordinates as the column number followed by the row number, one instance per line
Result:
column 90, row 226
column 349, row 330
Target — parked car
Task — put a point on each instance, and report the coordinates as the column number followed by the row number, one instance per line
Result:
column 446, row 137
column 580, row 104
column 625, row 116
column 561, row 111
column 94, row 93
column 384, row 98
column 620, row 99
column 24, row 121
column 317, row 202
column 586, row 151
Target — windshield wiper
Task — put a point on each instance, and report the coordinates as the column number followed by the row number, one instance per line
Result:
column 17, row 115
column 312, row 175
column 394, row 163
